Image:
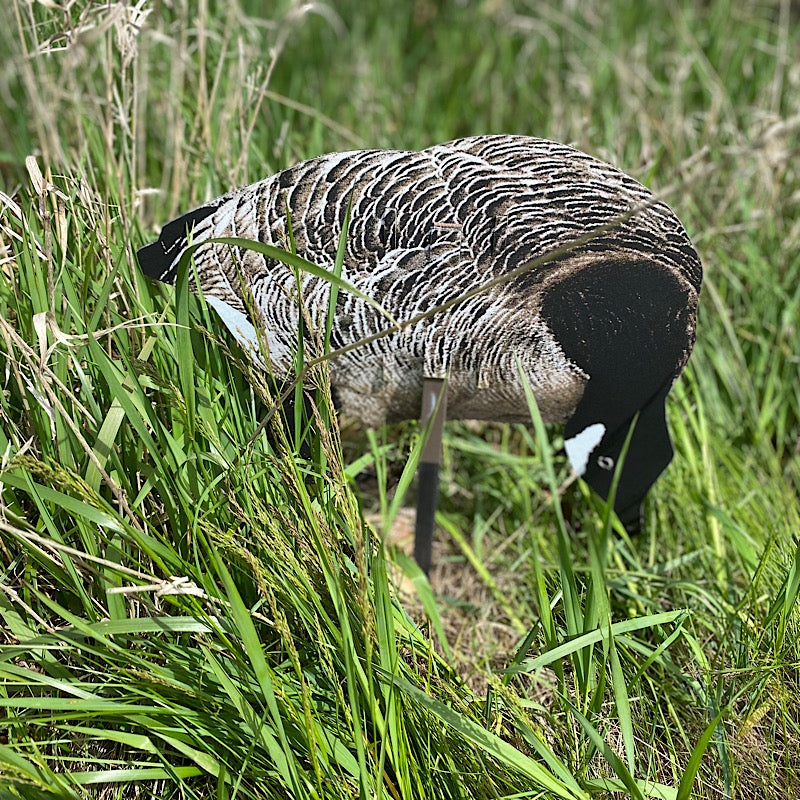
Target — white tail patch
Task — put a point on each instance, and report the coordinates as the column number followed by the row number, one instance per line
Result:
column 236, row 322
column 580, row 446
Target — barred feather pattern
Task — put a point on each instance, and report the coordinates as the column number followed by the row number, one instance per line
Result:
column 426, row 227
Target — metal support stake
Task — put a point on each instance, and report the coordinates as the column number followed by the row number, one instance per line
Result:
column 434, row 398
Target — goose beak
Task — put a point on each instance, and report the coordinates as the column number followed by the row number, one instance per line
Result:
column 594, row 453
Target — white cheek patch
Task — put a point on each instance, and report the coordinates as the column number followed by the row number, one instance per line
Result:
column 236, row 322
column 580, row 446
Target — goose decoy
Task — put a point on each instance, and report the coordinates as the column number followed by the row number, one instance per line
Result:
column 601, row 330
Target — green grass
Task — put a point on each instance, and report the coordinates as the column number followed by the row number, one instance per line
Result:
column 188, row 614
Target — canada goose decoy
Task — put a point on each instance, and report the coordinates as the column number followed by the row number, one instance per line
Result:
column 601, row 331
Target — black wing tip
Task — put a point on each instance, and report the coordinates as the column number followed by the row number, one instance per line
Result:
column 159, row 259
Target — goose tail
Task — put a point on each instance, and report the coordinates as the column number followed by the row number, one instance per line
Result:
column 160, row 258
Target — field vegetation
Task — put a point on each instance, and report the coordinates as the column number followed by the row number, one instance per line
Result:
column 192, row 611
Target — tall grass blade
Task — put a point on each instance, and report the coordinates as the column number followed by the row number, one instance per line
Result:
column 493, row 745
column 693, row 765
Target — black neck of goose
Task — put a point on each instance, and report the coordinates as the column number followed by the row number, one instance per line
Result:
column 629, row 326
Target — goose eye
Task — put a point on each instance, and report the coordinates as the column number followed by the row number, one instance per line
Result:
column 604, row 462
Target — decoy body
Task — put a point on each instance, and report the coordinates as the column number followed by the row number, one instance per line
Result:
column 601, row 332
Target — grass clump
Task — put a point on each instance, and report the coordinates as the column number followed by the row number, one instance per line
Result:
column 184, row 617
column 189, row 613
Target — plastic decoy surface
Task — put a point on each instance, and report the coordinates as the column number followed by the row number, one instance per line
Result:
column 601, row 333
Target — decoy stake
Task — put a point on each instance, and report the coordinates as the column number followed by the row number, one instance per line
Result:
column 434, row 413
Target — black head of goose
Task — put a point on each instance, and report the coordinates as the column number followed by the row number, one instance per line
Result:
column 601, row 331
